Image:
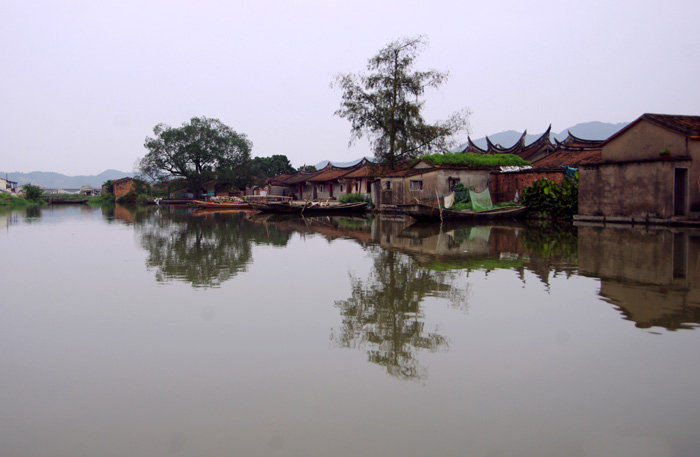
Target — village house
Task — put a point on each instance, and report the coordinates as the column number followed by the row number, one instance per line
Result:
column 649, row 172
column 424, row 182
column 327, row 184
column 359, row 180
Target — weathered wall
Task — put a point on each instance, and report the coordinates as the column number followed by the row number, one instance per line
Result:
column 503, row 186
column 644, row 141
column 121, row 188
column 400, row 192
column 435, row 182
column 633, row 189
column 477, row 179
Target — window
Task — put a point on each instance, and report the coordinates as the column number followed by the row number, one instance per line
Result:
column 387, row 185
column 416, row 185
column 452, row 182
column 320, row 187
column 342, row 188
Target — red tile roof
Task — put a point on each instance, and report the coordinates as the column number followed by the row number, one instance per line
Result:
column 688, row 125
column 331, row 174
column 564, row 158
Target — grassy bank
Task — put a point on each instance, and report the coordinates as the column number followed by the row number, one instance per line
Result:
column 102, row 200
column 11, row 201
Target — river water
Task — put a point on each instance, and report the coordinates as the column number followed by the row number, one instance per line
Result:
column 164, row 332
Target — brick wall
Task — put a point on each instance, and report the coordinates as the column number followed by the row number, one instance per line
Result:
column 503, row 186
column 122, row 187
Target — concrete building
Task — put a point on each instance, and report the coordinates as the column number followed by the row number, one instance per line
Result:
column 649, row 173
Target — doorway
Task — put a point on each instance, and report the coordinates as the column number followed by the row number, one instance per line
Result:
column 680, row 192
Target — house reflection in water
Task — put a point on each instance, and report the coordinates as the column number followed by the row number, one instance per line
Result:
column 651, row 275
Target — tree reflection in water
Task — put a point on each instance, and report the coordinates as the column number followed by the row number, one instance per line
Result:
column 383, row 315
column 204, row 251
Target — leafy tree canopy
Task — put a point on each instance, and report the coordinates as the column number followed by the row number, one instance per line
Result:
column 32, row 192
column 385, row 105
column 198, row 151
column 307, row 168
column 267, row 167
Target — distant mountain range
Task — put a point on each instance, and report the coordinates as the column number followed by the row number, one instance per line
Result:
column 594, row 130
column 52, row 180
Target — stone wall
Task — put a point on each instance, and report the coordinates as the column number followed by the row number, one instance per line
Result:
column 628, row 189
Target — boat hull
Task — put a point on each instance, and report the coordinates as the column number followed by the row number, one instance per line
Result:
column 432, row 213
column 307, row 210
column 222, row 205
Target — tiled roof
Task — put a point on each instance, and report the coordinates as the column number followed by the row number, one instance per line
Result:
column 302, row 177
column 331, row 174
column 688, row 125
column 564, row 158
column 281, row 179
column 407, row 172
column 365, row 171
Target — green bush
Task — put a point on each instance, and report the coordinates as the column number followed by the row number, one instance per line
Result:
column 32, row 192
column 548, row 199
column 353, row 198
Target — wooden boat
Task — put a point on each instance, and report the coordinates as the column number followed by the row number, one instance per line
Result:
column 66, row 201
column 221, row 205
column 432, row 213
column 309, row 209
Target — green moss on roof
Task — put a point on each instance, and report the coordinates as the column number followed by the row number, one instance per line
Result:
column 467, row 159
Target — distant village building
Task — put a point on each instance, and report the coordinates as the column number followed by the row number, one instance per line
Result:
column 649, row 172
column 8, row 186
column 89, row 191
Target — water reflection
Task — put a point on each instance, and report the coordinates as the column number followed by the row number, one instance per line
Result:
column 652, row 275
column 384, row 317
column 203, row 251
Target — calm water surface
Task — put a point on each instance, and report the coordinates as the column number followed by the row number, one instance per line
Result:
column 166, row 332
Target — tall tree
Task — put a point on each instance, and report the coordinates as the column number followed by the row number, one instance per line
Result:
column 198, row 151
column 385, row 105
column 267, row 167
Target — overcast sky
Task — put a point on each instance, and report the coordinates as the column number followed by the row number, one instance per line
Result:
column 82, row 83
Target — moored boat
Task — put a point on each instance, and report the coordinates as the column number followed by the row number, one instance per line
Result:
column 309, row 208
column 221, row 205
column 433, row 213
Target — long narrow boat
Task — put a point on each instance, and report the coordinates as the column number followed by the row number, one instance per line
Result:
column 309, row 209
column 433, row 213
column 221, row 205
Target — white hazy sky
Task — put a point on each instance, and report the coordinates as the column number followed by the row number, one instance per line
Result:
column 82, row 83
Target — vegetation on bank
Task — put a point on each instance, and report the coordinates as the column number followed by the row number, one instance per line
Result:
column 31, row 198
column 101, row 200
column 354, row 198
column 472, row 160
column 547, row 199
column 11, row 201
